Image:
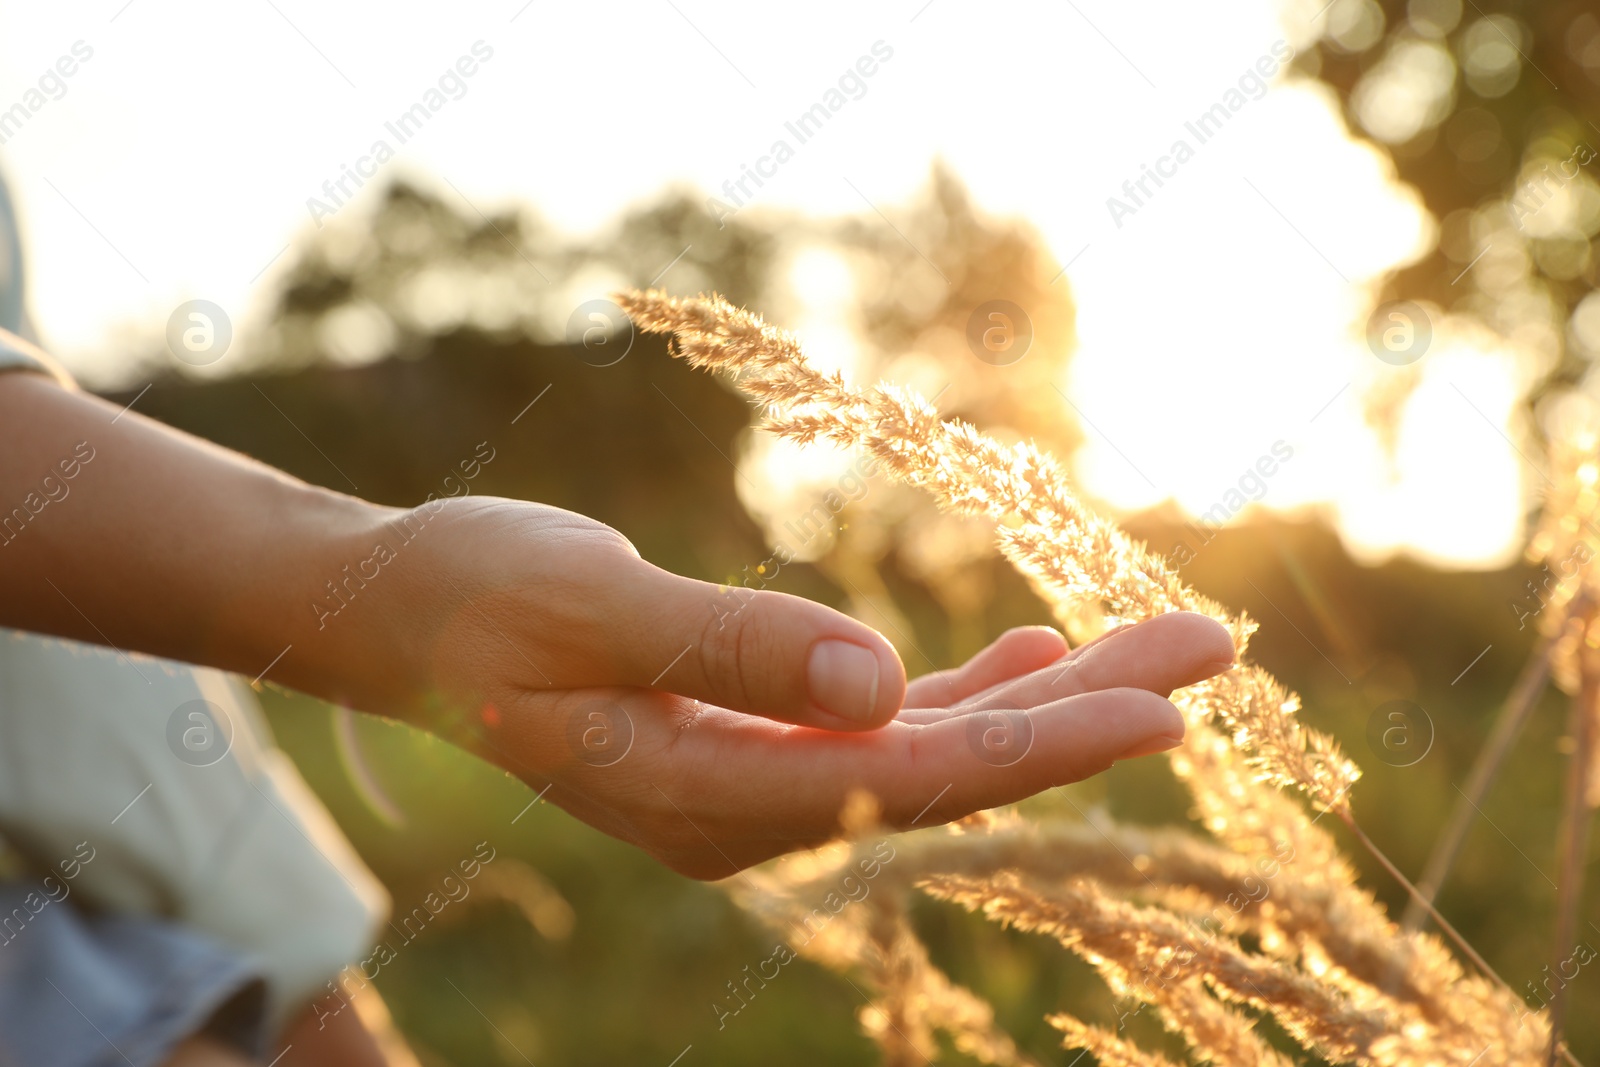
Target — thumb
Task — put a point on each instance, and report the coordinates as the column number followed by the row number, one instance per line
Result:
column 757, row 651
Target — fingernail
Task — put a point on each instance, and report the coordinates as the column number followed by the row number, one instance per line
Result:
column 1151, row 745
column 843, row 679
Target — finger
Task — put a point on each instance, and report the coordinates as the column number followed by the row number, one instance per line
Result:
column 756, row 651
column 1159, row 655
column 727, row 790
column 962, row 765
column 1015, row 652
column 792, row 785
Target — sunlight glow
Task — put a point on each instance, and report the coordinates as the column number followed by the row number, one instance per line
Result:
column 1455, row 494
column 1222, row 314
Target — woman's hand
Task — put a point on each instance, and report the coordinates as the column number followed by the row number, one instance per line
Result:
column 702, row 724
column 713, row 727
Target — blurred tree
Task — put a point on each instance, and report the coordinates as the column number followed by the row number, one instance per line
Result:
column 417, row 268
column 971, row 311
column 420, row 277
column 1486, row 107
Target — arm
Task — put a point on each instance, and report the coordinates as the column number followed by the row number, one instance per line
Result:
column 711, row 733
column 163, row 543
column 116, row 530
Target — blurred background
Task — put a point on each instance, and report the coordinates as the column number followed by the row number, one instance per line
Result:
column 1166, row 240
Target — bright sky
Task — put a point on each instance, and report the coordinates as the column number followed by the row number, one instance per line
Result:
column 1223, row 316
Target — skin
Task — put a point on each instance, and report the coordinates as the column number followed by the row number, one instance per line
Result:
column 540, row 640
column 204, row 1052
column 359, row 1033
column 312, row 1039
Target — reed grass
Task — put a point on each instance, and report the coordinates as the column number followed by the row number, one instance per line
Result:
column 1256, row 913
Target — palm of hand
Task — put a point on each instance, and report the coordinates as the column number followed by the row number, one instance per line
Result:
column 712, row 761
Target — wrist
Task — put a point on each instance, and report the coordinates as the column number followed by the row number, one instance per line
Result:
column 340, row 629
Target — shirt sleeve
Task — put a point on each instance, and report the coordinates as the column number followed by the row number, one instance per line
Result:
column 17, row 354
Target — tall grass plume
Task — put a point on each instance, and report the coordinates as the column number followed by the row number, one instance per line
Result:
column 1258, row 917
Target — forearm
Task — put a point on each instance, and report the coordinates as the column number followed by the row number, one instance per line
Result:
column 117, row 530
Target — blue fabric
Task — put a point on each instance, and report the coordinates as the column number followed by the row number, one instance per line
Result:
column 95, row 991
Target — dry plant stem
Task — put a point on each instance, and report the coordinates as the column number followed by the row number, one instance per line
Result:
column 1444, row 924
column 1107, row 1047
column 1152, row 956
column 1072, row 554
column 1575, row 820
column 918, row 999
column 1189, row 877
column 1416, row 895
column 1525, row 694
column 1246, row 743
